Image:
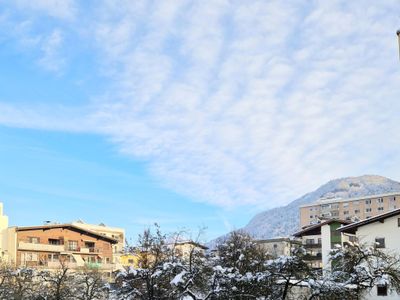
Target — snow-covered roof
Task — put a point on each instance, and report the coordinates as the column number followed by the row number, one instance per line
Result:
column 316, row 229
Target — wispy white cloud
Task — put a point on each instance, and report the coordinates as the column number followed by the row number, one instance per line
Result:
column 45, row 117
column 50, row 46
column 250, row 103
column 60, row 9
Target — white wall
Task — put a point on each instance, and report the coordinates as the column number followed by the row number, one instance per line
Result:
column 388, row 230
column 326, row 246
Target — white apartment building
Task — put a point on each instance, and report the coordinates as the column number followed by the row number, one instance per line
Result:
column 381, row 231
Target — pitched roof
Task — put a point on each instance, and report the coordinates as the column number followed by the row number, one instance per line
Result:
column 71, row 227
column 352, row 228
column 316, row 229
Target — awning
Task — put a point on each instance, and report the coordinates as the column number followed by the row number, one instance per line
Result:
column 79, row 261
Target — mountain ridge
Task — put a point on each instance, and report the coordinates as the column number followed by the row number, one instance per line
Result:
column 284, row 220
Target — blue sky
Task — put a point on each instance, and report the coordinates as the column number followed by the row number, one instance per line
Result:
column 191, row 113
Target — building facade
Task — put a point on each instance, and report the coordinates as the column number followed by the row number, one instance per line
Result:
column 115, row 233
column 318, row 240
column 278, row 246
column 3, row 234
column 347, row 209
column 49, row 246
column 383, row 232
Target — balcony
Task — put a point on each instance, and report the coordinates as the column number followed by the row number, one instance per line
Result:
column 49, row 264
column 40, row 247
column 57, row 265
column 100, row 266
column 309, row 257
column 56, row 248
column 312, row 246
column 82, row 250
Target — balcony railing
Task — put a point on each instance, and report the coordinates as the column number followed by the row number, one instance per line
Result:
column 40, row 247
column 50, row 264
column 310, row 257
column 313, row 246
column 83, row 249
column 56, row 248
column 101, row 266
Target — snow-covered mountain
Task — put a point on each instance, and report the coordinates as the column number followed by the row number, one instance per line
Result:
column 283, row 221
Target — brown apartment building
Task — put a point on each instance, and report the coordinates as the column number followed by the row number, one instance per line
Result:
column 48, row 245
column 346, row 209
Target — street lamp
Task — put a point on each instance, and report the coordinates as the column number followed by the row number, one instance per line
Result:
column 398, row 37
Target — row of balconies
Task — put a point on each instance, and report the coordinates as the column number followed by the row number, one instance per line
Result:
column 55, row 248
column 71, row 265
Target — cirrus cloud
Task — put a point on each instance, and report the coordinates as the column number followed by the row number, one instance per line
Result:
column 237, row 102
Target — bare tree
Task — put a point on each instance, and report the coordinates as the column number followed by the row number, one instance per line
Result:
column 58, row 283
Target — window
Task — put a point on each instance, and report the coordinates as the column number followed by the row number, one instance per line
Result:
column 325, row 206
column 368, row 202
column 380, row 208
column 72, row 245
column 356, row 211
column 108, row 260
column 311, row 216
column 54, row 242
column 275, row 246
column 398, row 222
column 346, row 212
column 33, row 240
column 130, row 261
column 346, row 204
column 368, row 209
column 53, row 257
column 381, row 290
column 319, row 240
column 30, row 256
column 379, row 200
column 310, row 241
column 311, row 208
column 380, row 242
column 89, row 244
